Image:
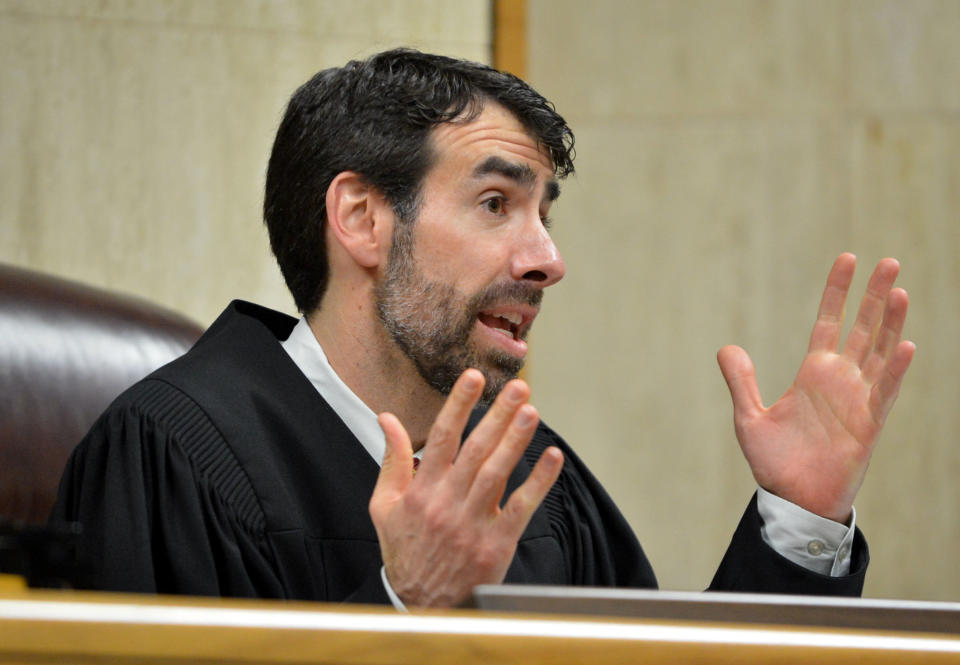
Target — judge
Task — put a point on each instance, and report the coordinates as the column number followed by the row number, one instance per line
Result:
column 407, row 202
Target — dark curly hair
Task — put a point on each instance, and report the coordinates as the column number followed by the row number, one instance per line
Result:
column 374, row 117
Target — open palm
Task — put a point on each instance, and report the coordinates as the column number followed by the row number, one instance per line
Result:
column 812, row 446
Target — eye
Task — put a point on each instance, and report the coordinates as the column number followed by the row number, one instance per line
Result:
column 496, row 205
column 546, row 221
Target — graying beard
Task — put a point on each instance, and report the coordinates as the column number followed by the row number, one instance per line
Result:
column 446, row 338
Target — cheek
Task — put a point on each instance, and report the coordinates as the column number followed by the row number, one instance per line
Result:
column 462, row 252
column 454, row 258
column 473, row 267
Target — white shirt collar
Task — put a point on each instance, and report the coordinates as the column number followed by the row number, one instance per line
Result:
column 307, row 354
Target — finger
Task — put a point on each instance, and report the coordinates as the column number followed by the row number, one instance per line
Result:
column 741, row 378
column 885, row 392
column 445, row 435
column 490, row 480
column 888, row 336
column 396, row 471
column 487, row 435
column 526, row 498
column 861, row 337
column 829, row 324
column 893, row 319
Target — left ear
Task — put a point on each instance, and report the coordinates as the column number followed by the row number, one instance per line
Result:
column 360, row 219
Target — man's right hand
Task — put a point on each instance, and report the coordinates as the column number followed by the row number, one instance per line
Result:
column 442, row 532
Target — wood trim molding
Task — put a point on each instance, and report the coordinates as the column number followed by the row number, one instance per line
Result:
column 81, row 628
column 510, row 36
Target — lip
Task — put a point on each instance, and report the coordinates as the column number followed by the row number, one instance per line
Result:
column 515, row 345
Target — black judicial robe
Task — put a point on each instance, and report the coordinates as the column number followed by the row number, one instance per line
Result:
column 225, row 473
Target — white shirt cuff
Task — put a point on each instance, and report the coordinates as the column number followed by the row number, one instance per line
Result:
column 811, row 541
column 394, row 598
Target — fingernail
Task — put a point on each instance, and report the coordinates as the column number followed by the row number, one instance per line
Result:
column 526, row 416
column 516, row 391
column 470, row 380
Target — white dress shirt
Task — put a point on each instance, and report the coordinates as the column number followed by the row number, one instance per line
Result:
column 811, row 541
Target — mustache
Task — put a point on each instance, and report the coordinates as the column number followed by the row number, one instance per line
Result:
column 505, row 292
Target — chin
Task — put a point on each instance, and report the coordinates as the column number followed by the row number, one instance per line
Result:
column 497, row 377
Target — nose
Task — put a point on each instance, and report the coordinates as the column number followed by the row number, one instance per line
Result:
column 538, row 259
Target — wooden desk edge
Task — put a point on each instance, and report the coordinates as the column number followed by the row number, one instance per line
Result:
column 83, row 627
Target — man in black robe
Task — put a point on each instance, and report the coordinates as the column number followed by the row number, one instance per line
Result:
column 407, row 201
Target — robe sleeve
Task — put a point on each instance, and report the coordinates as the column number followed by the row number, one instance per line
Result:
column 162, row 510
column 750, row 564
column 601, row 549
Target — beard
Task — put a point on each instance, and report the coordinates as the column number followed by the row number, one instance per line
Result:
column 431, row 321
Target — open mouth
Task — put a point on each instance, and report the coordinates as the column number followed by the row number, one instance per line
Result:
column 508, row 324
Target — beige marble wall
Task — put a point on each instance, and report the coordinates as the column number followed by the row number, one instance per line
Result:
column 134, row 134
column 727, row 152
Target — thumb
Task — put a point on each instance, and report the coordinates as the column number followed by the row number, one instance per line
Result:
column 741, row 378
column 396, row 471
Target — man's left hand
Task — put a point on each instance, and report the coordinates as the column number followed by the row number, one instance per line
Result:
column 812, row 446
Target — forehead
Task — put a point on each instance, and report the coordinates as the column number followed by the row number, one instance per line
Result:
column 495, row 132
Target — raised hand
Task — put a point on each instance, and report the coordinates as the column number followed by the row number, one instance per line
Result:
column 442, row 531
column 812, row 446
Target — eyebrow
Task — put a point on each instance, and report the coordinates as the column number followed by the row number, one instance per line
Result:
column 521, row 174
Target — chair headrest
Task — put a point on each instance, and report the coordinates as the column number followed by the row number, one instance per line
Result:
column 66, row 351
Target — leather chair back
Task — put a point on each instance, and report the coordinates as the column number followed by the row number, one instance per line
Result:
column 66, row 351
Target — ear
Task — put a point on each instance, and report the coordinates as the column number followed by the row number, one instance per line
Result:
column 360, row 218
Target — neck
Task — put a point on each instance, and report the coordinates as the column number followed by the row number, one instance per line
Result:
column 367, row 359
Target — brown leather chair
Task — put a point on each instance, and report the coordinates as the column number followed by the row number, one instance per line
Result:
column 66, row 351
